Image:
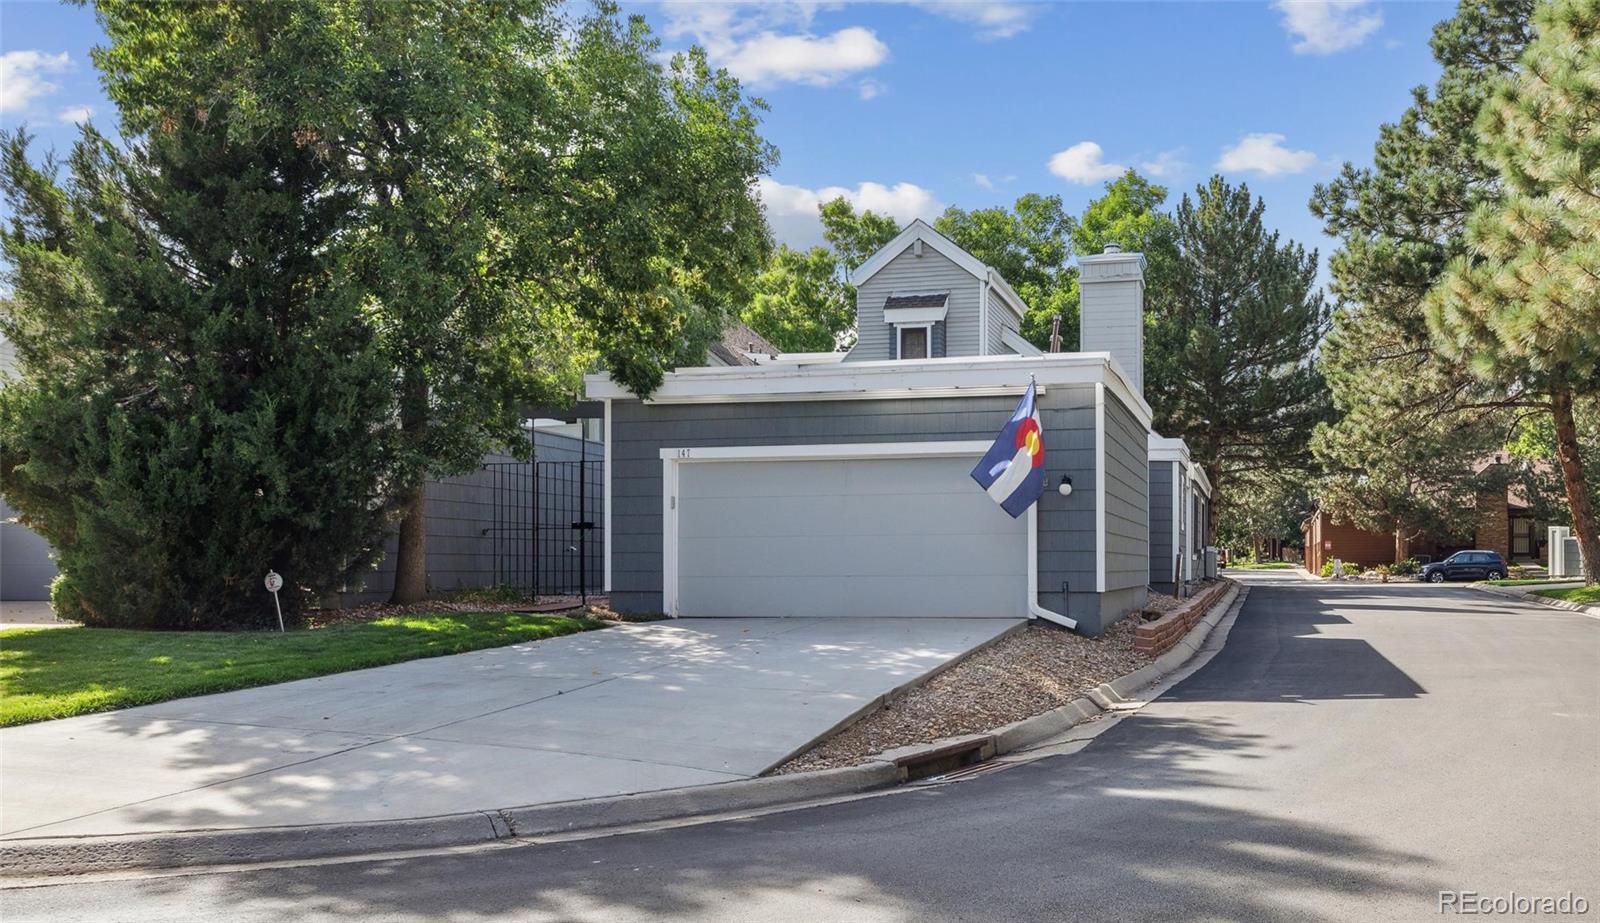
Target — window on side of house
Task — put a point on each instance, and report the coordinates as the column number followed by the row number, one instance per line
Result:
column 913, row 342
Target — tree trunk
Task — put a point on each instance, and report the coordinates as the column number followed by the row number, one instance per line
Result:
column 1583, row 521
column 1402, row 547
column 411, row 557
column 1214, row 475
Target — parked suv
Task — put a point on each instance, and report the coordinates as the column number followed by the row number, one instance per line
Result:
column 1466, row 565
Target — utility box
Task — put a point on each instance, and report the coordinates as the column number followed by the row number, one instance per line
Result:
column 1211, row 562
column 1556, row 546
column 1571, row 558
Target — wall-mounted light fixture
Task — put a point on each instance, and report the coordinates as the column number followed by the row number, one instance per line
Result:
column 1065, row 487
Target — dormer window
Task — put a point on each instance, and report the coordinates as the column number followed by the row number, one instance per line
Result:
column 914, row 318
column 914, row 341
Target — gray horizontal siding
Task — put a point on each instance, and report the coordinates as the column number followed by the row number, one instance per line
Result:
column 1127, row 518
column 1162, row 554
column 1066, row 524
column 906, row 273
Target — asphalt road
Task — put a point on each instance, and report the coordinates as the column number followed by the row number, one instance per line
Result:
column 1350, row 753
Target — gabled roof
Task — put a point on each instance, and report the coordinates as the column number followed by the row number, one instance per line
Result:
column 915, row 231
column 737, row 342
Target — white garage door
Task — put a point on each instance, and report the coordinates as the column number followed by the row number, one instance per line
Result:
column 910, row 536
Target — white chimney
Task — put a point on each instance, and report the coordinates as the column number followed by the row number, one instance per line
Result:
column 1111, row 309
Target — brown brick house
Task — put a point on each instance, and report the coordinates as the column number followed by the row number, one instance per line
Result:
column 1504, row 524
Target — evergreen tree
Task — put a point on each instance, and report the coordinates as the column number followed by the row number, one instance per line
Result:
column 1400, row 222
column 1243, row 388
column 1521, row 310
column 200, row 396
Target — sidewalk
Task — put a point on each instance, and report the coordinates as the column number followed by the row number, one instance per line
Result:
column 626, row 709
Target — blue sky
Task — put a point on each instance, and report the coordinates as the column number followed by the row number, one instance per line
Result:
column 907, row 107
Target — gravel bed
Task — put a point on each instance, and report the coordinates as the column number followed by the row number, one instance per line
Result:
column 1020, row 676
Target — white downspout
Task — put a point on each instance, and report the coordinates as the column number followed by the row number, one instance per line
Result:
column 1035, row 610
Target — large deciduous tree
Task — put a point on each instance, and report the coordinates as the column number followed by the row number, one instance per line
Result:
column 1521, row 309
column 803, row 300
column 1030, row 245
column 511, row 196
column 1241, row 384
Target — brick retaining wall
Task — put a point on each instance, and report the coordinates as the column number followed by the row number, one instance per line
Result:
column 1157, row 637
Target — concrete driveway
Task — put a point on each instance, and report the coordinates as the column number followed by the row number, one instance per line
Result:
column 626, row 709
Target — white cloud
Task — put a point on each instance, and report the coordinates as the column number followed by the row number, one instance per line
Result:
column 766, row 44
column 73, row 115
column 870, row 89
column 982, row 179
column 994, row 20
column 792, row 210
column 22, row 77
column 1164, row 165
column 1264, row 153
column 811, row 59
column 1081, row 164
column 1328, row 26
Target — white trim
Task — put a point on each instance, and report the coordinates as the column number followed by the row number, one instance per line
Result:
column 822, row 358
column 983, row 316
column 1163, row 448
column 890, row 378
column 606, row 474
column 915, row 315
column 917, row 230
column 927, row 339
column 1019, row 343
column 672, row 458
column 1180, row 535
column 1203, row 480
column 1008, row 295
column 1100, row 487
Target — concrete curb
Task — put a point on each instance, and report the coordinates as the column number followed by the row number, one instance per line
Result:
column 55, row 856
column 45, row 857
column 1581, row 608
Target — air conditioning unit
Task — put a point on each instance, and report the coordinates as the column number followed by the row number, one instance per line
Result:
column 1556, row 546
column 1571, row 558
column 1211, row 562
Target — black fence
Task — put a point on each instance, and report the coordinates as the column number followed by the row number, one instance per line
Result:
column 547, row 523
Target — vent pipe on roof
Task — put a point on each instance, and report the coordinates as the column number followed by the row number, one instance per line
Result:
column 1112, row 248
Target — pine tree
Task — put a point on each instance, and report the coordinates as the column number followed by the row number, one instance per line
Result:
column 200, row 396
column 1244, row 390
column 1521, row 310
column 1400, row 222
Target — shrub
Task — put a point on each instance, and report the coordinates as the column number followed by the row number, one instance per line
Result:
column 1327, row 568
column 1406, row 568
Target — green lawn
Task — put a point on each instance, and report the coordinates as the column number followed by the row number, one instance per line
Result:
column 1574, row 594
column 1264, row 565
column 59, row 672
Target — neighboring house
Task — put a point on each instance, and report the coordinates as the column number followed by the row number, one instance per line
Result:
column 838, row 485
column 1504, row 523
column 1180, row 510
column 27, row 565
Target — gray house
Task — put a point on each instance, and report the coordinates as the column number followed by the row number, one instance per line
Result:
column 1180, row 508
column 838, row 485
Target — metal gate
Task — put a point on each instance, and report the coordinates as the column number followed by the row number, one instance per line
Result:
column 546, row 535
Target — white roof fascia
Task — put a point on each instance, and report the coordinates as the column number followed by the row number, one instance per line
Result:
column 1198, row 475
column 893, row 378
column 816, row 358
column 918, row 230
column 915, row 315
column 1163, row 448
column 1016, row 341
column 1011, row 298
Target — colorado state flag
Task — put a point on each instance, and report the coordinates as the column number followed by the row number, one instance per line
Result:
column 1012, row 471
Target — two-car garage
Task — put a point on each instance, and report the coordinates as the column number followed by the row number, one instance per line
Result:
column 897, row 530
